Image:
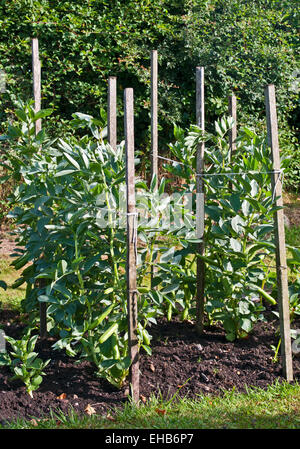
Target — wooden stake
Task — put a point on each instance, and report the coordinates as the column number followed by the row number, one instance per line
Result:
column 112, row 112
column 154, row 130
column 281, row 265
column 36, row 72
column 233, row 131
column 200, row 201
column 131, row 244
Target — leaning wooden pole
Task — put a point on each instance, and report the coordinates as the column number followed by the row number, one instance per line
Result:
column 36, row 73
column 281, row 265
column 131, row 245
column 154, row 115
column 112, row 112
column 200, row 201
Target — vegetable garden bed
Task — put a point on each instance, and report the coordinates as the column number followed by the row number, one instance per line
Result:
column 181, row 360
column 110, row 261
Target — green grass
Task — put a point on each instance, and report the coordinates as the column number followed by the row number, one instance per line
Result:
column 278, row 407
column 10, row 298
column 292, row 235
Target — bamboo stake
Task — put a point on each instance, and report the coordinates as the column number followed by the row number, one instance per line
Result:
column 36, row 72
column 200, row 201
column 281, row 265
column 233, row 130
column 112, row 112
column 131, row 244
column 154, row 129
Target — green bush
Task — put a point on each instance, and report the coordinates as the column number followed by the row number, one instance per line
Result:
column 243, row 46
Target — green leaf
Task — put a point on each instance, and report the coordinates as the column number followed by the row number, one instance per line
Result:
column 244, row 308
column 32, row 342
column 246, row 324
column 153, row 184
column 246, row 208
column 237, row 224
column 235, row 201
column 36, row 381
column 62, row 266
column 108, row 363
column 143, row 289
column 169, row 288
column 162, row 186
column 72, row 161
column 47, row 298
column 18, row 282
column 213, row 212
column 41, row 114
column 21, row 115
column 63, row 290
column 84, row 157
column 4, row 359
column 235, row 245
column 3, row 285
column 167, row 256
column 64, row 173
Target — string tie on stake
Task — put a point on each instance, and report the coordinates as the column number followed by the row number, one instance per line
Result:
column 279, row 171
column 171, row 160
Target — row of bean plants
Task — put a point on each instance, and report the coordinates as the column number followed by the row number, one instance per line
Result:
column 72, row 240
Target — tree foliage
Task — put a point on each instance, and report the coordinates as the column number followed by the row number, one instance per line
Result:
column 242, row 45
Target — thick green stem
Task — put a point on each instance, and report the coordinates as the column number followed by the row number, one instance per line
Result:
column 251, row 218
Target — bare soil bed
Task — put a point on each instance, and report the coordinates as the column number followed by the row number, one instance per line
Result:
column 181, row 360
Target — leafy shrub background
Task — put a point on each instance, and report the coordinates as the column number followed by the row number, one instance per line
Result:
column 243, row 46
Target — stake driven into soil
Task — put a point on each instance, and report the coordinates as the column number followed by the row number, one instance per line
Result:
column 200, row 201
column 36, row 72
column 131, row 244
column 281, row 264
column 154, row 131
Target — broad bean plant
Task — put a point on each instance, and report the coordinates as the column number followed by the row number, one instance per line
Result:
column 70, row 216
column 71, row 244
column 239, row 225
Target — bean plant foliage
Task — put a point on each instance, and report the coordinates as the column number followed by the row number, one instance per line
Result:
column 239, row 231
column 72, row 263
column 71, row 228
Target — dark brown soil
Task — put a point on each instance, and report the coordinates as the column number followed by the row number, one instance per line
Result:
column 207, row 364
